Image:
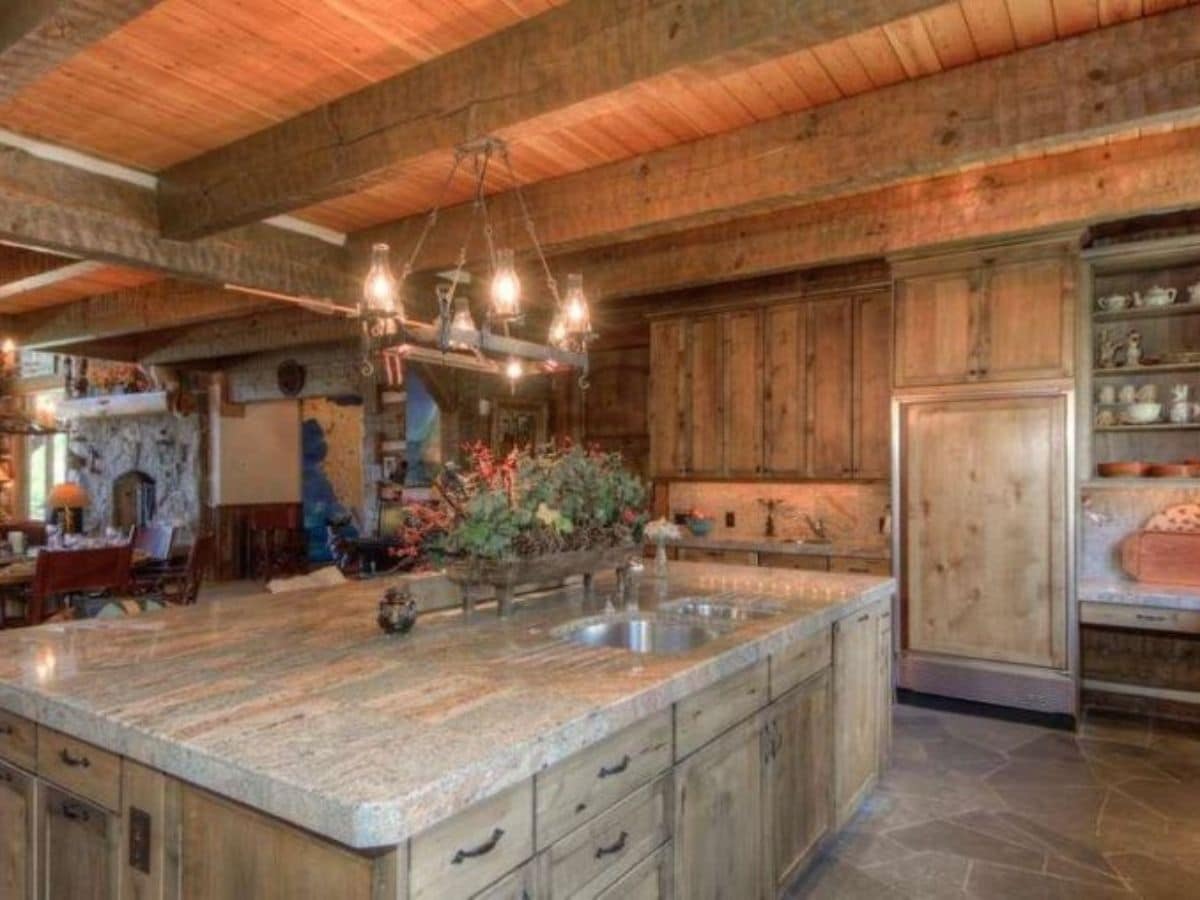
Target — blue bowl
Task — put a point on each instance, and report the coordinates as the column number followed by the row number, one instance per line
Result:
column 700, row 527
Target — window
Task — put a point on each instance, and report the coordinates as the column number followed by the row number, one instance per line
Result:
column 45, row 465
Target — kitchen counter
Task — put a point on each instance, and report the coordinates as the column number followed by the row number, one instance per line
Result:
column 1136, row 593
column 297, row 705
column 788, row 547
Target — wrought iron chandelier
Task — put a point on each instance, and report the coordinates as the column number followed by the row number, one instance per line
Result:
column 385, row 328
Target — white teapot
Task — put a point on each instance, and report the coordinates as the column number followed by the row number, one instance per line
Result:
column 1156, row 296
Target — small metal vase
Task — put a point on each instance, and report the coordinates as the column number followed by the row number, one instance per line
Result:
column 397, row 612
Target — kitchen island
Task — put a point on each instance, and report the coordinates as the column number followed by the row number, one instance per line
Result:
column 284, row 747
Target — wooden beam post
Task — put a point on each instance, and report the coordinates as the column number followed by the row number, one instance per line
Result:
column 1099, row 85
column 63, row 209
column 153, row 307
column 37, row 35
column 273, row 329
column 1134, row 177
column 562, row 59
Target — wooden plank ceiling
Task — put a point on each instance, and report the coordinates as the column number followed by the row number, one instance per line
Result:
column 192, row 75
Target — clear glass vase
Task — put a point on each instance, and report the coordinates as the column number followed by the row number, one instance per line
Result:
column 660, row 560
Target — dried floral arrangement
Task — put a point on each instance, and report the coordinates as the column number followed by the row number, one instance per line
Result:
column 534, row 503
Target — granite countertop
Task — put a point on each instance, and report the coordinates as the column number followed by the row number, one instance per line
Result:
column 297, row 704
column 779, row 545
column 1138, row 593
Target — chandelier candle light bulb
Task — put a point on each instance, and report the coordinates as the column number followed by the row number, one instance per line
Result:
column 506, row 287
column 381, row 291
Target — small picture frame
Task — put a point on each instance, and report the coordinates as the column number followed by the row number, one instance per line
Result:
column 517, row 425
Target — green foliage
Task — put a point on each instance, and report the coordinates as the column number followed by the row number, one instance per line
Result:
column 532, row 503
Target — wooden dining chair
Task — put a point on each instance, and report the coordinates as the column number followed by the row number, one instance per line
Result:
column 183, row 585
column 63, row 572
column 155, row 541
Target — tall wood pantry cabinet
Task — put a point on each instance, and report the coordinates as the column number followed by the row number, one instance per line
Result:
column 984, row 354
column 797, row 389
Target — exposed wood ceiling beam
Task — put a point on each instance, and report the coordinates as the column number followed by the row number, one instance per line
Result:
column 271, row 330
column 32, row 283
column 37, row 35
column 1104, row 83
column 1139, row 176
column 68, row 210
column 165, row 304
column 569, row 56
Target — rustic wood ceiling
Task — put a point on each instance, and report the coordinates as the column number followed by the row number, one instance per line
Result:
column 192, row 75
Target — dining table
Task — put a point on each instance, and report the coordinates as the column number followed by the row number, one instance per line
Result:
column 18, row 571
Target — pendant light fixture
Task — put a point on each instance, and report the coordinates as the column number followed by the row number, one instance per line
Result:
column 382, row 306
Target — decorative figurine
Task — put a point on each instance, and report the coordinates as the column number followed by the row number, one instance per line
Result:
column 1109, row 346
column 660, row 531
column 1133, row 348
column 397, row 611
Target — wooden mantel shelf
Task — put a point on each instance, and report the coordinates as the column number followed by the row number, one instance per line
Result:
column 144, row 404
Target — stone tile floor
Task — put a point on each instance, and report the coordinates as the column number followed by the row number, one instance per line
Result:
column 982, row 808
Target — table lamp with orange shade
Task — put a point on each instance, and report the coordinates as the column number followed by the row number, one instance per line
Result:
column 69, row 499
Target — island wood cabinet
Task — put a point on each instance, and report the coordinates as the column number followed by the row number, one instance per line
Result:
column 794, row 390
column 729, row 793
column 987, row 315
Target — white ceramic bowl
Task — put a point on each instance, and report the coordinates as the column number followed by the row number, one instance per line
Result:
column 1142, row 413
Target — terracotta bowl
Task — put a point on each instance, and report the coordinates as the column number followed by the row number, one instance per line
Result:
column 1170, row 470
column 1124, row 469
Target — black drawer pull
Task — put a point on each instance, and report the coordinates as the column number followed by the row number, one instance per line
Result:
column 616, row 847
column 78, row 761
column 608, row 771
column 1145, row 618
column 5, row 728
column 864, row 617
column 486, row 847
column 6, row 776
column 75, row 812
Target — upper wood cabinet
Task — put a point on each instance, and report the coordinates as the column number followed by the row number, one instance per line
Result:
column 798, row 390
column 985, row 316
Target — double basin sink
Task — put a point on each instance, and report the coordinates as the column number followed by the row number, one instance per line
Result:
column 677, row 627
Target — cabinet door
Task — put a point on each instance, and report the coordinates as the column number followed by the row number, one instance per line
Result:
column 668, row 402
column 984, row 528
column 743, row 362
column 936, row 334
column 872, row 386
column 886, row 687
column 718, row 817
column 17, row 817
column 78, row 848
column 1025, row 323
column 856, row 709
column 830, row 388
column 707, row 395
column 798, row 801
column 785, row 389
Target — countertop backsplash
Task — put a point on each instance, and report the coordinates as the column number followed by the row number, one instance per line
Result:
column 851, row 512
column 1109, row 514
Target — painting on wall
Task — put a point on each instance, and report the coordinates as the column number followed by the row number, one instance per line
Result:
column 422, row 433
column 331, row 466
column 517, row 425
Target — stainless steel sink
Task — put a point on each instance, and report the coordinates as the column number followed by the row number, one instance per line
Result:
column 643, row 634
column 722, row 610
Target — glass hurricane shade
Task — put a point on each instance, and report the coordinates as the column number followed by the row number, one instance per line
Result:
column 557, row 336
column 381, row 291
column 462, row 320
column 506, row 287
column 575, row 307
column 68, row 495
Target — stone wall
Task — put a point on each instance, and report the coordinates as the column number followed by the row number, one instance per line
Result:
column 168, row 448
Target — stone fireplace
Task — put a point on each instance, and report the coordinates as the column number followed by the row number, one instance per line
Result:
column 139, row 469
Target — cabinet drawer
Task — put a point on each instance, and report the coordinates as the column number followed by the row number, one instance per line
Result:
column 794, row 561
column 592, row 857
column 860, row 566
column 797, row 663
column 18, row 740
column 703, row 716
column 526, row 883
column 725, row 557
column 1149, row 618
column 80, row 767
column 468, row 852
column 648, row 880
column 578, row 788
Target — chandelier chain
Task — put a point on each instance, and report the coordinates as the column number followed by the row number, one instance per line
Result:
column 551, row 282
